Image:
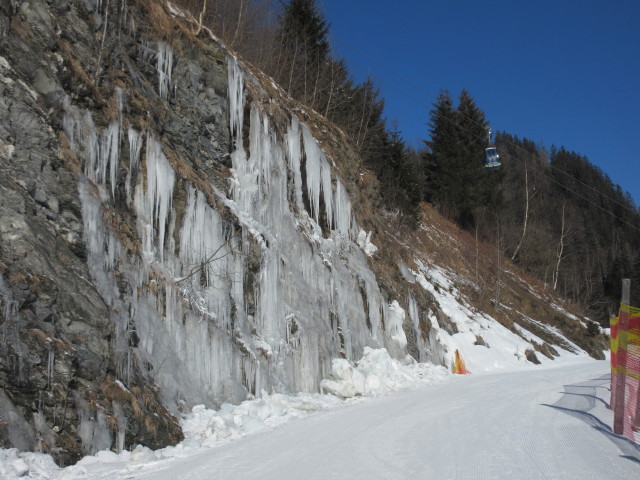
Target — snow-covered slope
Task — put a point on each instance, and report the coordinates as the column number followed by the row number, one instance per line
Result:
column 480, row 305
column 485, row 344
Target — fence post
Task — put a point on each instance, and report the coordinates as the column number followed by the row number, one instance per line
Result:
column 623, row 326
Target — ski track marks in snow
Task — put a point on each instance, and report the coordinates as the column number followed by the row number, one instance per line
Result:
column 589, row 402
column 542, row 423
column 490, row 426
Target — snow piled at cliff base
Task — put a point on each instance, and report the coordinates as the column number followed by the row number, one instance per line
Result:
column 374, row 375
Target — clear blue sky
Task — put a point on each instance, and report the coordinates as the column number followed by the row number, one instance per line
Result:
column 563, row 72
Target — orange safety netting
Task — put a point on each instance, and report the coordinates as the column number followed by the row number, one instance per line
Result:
column 459, row 366
column 625, row 371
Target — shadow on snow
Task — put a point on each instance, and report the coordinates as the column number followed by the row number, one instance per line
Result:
column 580, row 399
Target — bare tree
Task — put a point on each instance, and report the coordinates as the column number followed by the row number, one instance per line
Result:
column 201, row 17
column 561, row 245
column 238, row 23
column 528, row 198
column 498, row 262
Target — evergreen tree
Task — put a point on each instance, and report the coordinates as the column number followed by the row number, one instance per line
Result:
column 472, row 191
column 457, row 182
column 304, row 36
column 635, row 282
column 399, row 178
column 303, row 24
column 440, row 149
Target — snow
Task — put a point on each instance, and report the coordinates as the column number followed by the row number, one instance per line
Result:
column 376, row 374
column 433, row 425
column 364, row 242
column 500, row 348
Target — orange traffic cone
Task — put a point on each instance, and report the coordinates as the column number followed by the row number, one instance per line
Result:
column 459, row 366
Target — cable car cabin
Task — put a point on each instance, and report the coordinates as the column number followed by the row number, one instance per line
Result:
column 492, row 159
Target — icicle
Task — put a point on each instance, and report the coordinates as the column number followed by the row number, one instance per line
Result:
column 135, row 146
column 121, row 417
column 128, row 371
column 81, row 131
column 414, row 315
column 109, row 156
column 97, row 154
column 113, row 249
column 210, row 281
column 202, row 241
column 51, row 363
column 119, row 102
column 93, row 228
column 236, row 100
column 312, row 154
column 164, row 68
column 318, row 173
column 327, row 191
column 268, row 312
column 9, row 306
column 342, row 210
column 245, row 181
column 265, row 155
column 256, row 191
column 208, row 339
column 294, row 153
column 156, row 204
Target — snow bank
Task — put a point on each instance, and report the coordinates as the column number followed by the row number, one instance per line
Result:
column 206, row 427
column 378, row 374
column 15, row 464
column 374, row 375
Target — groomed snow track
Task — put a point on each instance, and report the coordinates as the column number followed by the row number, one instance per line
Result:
column 496, row 426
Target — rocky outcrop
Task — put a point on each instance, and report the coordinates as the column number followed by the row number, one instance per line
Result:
column 165, row 240
column 59, row 387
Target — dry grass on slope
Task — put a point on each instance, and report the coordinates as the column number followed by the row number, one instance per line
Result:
column 487, row 281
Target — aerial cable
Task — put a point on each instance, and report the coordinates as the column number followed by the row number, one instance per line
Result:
column 626, row 207
column 592, row 203
column 516, row 147
column 525, row 151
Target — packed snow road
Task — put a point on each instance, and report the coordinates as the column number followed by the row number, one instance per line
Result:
column 520, row 425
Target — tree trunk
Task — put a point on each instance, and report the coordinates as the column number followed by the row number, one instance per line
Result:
column 235, row 34
column 526, row 213
column 560, row 251
column 200, row 19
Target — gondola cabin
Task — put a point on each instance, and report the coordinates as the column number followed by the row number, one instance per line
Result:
column 492, row 159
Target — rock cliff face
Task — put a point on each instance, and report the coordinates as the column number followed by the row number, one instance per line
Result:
column 169, row 235
column 174, row 230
